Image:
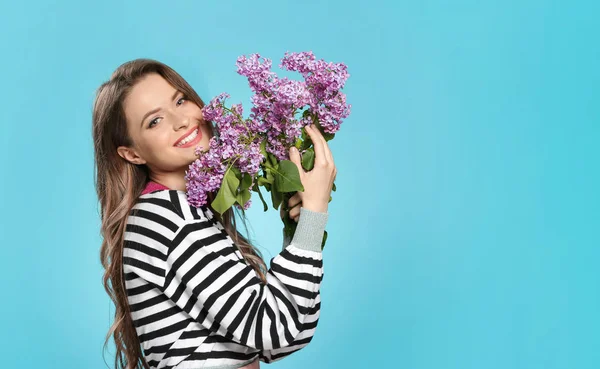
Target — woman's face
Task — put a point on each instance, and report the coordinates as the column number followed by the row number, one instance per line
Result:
column 165, row 127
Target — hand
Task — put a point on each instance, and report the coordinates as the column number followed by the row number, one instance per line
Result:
column 318, row 182
column 294, row 204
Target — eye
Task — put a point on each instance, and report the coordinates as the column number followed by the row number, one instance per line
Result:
column 152, row 121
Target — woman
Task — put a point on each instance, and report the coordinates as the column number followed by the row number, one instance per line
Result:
column 185, row 293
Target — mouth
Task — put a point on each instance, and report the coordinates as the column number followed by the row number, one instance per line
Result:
column 191, row 138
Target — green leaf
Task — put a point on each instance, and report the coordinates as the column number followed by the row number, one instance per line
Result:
column 263, row 180
column 333, row 188
column 238, row 173
column 287, row 177
column 243, row 197
column 256, row 188
column 246, row 181
column 272, row 159
column 276, row 197
column 263, row 148
column 324, row 240
column 308, row 159
column 270, row 177
column 226, row 196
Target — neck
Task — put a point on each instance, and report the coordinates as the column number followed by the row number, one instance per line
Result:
column 173, row 180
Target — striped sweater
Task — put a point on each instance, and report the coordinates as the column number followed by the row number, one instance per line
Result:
column 194, row 300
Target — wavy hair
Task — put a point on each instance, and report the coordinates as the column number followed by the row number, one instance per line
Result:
column 118, row 184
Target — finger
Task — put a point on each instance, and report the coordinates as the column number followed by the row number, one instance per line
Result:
column 296, row 218
column 318, row 144
column 295, row 205
column 295, row 158
column 327, row 150
column 294, row 213
column 295, row 199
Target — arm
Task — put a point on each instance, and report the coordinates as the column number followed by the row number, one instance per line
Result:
column 227, row 297
column 306, row 333
column 303, row 339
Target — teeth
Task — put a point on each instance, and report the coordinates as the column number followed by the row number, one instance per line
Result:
column 188, row 138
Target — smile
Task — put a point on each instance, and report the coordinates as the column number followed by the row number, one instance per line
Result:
column 190, row 139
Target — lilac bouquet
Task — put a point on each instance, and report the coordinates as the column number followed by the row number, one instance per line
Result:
column 247, row 153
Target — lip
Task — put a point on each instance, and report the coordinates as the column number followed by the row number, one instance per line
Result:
column 194, row 141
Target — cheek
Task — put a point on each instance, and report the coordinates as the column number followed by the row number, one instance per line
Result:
column 158, row 142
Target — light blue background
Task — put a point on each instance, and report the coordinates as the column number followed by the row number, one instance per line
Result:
column 465, row 229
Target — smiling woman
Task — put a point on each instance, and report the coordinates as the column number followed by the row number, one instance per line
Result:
column 165, row 127
column 190, row 291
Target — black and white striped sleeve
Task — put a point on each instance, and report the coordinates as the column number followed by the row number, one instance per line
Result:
column 306, row 333
column 227, row 297
column 301, row 340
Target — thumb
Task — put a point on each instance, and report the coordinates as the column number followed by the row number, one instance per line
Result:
column 295, row 158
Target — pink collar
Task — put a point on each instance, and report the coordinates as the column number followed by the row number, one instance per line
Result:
column 152, row 186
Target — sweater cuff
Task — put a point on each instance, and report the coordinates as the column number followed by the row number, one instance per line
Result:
column 310, row 230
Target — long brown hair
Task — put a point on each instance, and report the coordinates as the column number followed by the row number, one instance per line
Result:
column 118, row 185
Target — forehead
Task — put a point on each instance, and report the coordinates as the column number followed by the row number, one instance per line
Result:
column 150, row 92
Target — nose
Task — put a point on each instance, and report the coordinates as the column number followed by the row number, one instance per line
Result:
column 181, row 121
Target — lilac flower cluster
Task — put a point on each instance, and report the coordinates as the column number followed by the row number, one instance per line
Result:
column 199, row 180
column 324, row 80
column 281, row 108
column 234, row 144
column 275, row 103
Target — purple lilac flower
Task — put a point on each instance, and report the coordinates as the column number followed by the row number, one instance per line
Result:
column 214, row 109
column 324, row 80
column 275, row 117
column 258, row 73
column 246, row 205
column 234, row 143
column 205, row 174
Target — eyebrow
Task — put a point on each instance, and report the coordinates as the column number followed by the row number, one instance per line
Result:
column 158, row 109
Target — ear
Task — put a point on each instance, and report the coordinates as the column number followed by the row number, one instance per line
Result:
column 130, row 155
